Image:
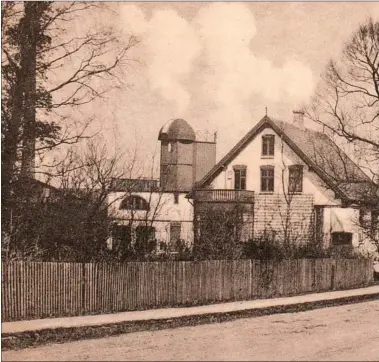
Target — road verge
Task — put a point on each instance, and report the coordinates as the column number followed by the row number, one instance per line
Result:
column 26, row 339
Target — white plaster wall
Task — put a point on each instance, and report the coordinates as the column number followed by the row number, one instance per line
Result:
column 162, row 202
column 350, row 223
column 166, row 211
column 284, row 156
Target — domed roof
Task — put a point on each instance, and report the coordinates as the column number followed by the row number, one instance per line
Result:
column 177, row 130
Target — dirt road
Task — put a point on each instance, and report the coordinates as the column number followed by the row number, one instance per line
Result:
column 349, row 332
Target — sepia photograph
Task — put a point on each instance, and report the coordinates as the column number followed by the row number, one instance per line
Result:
column 189, row 181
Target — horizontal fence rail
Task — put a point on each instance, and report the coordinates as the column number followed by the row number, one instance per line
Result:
column 41, row 290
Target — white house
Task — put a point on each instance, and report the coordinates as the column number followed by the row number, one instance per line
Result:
column 283, row 174
column 161, row 207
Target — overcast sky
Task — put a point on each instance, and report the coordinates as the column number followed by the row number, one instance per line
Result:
column 218, row 65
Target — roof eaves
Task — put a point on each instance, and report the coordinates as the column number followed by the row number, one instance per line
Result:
column 217, row 169
column 308, row 161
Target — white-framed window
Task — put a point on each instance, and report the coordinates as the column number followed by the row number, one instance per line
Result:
column 267, row 178
column 268, row 145
column 240, row 177
column 295, row 178
column 134, row 203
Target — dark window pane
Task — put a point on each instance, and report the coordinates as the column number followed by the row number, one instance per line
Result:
column 240, row 179
column 122, row 236
column 145, row 233
column 175, row 231
column 134, row 203
column 295, row 179
column 270, row 184
column 236, row 179
column 342, row 238
column 243, row 183
column 267, row 179
column 271, row 146
column 268, row 145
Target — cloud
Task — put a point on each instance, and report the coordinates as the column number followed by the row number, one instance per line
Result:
column 171, row 47
column 226, row 30
column 220, row 36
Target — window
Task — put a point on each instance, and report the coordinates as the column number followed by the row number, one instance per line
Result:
column 295, row 178
column 375, row 224
column 145, row 233
column 268, row 145
column 175, row 231
column 122, row 238
column 365, row 218
column 267, row 179
column 240, row 177
column 176, row 198
column 134, row 203
column 169, row 147
column 342, row 238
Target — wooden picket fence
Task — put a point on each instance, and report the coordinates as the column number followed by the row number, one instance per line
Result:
column 40, row 290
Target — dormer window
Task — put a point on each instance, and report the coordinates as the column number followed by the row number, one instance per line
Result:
column 295, row 178
column 268, row 145
column 239, row 177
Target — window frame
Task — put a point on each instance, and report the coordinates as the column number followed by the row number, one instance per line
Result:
column 122, row 237
column 298, row 186
column 145, row 233
column 138, row 203
column 176, row 198
column 268, row 146
column 265, row 179
column 340, row 238
column 240, row 177
column 175, row 231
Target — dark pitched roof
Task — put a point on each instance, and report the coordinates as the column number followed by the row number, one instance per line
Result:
column 316, row 149
column 134, row 185
column 366, row 192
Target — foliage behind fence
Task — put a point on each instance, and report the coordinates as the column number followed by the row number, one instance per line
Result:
column 39, row 290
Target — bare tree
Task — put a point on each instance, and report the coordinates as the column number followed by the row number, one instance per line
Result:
column 48, row 69
column 71, row 222
column 346, row 104
column 347, row 101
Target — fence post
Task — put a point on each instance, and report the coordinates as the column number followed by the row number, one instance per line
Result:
column 250, row 279
column 332, row 276
column 83, row 291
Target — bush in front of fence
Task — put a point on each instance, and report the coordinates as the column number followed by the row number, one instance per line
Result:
column 265, row 247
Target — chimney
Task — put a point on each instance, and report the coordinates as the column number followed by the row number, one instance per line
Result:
column 298, row 118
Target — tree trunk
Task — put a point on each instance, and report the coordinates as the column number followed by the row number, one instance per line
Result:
column 32, row 35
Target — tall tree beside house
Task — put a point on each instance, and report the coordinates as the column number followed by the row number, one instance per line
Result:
column 22, row 39
column 39, row 42
column 346, row 104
